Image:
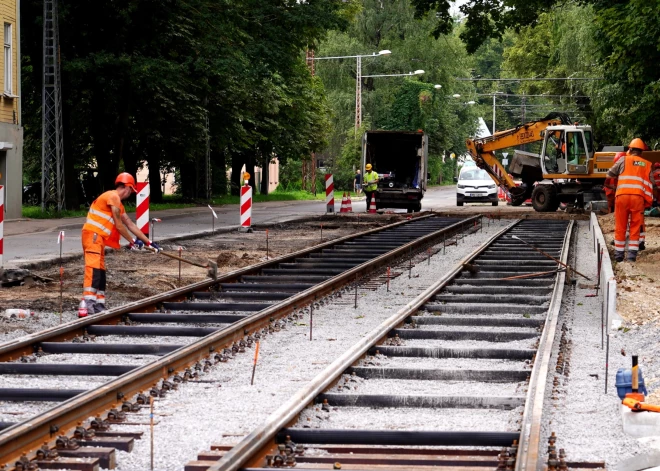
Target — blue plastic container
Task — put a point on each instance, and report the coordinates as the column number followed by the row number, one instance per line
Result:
column 624, row 382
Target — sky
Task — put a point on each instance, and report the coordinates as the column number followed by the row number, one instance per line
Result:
column 454, row 8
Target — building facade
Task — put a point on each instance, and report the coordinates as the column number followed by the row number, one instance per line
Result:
column 11, row 130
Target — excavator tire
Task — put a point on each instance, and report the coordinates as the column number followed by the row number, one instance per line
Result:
column 544, row 198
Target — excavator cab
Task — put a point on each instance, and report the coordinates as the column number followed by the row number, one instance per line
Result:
column 567, row 150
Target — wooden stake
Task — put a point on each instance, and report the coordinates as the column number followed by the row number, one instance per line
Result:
column 266, row 244
column 151, row 418
column 254, row 364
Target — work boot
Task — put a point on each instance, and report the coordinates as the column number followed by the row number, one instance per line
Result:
column 99, row 307
column 91, row 306
column 632, row 256
column 618, row 256
column 642, row 245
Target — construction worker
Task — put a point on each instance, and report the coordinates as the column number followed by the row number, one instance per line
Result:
column 610, row 184
column 370, row 184
column 106, row 222
column 634, row 192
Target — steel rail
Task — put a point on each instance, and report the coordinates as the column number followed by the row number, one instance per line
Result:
column 25, row 345
column 66, row 415
column 256, row 445
column 530, row 430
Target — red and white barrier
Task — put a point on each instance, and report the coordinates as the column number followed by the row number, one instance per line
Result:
column 2, row 222
column 142, row 207
column 329, row 193
column 246, row 207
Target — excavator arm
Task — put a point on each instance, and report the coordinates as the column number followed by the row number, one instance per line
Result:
column 483, row 150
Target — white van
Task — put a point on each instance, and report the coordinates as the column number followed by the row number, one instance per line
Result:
column 474, row 185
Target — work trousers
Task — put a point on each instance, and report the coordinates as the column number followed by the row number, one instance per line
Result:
column 94, row 283
column 629, row 209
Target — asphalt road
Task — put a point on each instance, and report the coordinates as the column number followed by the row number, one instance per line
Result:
column 33, row 241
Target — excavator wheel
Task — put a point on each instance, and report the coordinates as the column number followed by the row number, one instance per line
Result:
column 544, row 198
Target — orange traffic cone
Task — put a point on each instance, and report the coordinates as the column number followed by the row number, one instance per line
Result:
column 343, row 204
column 349, row 205
column 372, row 206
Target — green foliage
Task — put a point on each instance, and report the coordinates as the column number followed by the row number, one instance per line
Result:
column 394, row 102
column 141, row 79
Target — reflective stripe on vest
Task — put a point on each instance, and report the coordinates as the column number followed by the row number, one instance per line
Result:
column 634, row 180
column 102, row 222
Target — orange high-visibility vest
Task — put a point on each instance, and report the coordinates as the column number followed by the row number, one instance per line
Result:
column 100, row 220
column 634, row 180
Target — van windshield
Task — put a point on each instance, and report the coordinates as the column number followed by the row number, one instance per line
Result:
column 474, row 174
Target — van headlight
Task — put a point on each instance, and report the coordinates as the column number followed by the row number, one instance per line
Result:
column 460, row 187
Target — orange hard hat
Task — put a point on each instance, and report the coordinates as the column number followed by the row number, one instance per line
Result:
column 127, row 179
column 637, row 143
column 618, row 156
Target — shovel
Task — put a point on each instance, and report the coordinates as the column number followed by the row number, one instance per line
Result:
column 211, row 266
column 550, row 257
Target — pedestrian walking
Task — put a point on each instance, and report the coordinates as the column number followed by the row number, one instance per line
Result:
column 370, row 184
column 357, row 183
column 634, row 193
column 106, row 222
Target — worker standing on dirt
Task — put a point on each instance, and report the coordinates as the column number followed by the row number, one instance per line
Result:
column 106, row 222
column 610, row 184
column 634, row 192
column 370, row 184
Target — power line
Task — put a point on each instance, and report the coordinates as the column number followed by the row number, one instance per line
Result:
column 521, row 95
column 522, row 79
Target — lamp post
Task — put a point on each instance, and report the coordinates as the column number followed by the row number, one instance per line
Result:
column 494, row 95
column 417, row 72
column 358, row 80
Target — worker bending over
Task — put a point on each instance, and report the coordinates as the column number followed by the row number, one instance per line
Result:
column 655, row 176
column 634, row 192
column 370, row 184
column 106, row 222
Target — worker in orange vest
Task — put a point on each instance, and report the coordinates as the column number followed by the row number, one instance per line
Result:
column 106, row 222
column 634, row 192
column 610, row 184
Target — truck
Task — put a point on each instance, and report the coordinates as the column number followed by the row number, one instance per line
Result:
column 401, row 160
column 567, row 170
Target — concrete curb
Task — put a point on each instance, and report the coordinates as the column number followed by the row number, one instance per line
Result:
column 607, row 278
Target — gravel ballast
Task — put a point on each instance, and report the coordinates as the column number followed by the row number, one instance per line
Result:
column 225, row 407
column 586, row 420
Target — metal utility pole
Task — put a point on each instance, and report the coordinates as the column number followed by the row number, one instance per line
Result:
column 358, row 94
column 52, row 147
column 493, row 114
column 309, row 166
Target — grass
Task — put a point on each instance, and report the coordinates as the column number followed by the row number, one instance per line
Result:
column 173, row 202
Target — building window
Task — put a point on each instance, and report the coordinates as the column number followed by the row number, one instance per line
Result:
column 8, row 60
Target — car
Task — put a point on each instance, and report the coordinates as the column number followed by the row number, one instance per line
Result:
column 474, row 185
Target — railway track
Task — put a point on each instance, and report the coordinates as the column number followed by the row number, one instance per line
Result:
column 455, row 380
column 148, row 347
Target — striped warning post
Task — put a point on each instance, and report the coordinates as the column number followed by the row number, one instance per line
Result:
column 246, row 207
column 329, row 193
column 2, row 222
column 142, row 208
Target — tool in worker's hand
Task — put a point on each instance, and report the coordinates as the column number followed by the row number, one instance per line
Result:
column 211, row 266
column 550, row 257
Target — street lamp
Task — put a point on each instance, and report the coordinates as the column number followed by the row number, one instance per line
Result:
column 456, row 95
column 358, row 80
column 494, row 95
column 417, row 72
column 437, row 87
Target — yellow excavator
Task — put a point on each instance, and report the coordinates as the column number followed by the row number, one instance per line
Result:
column 566, row 171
